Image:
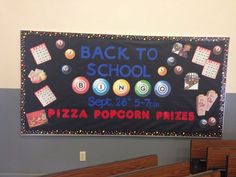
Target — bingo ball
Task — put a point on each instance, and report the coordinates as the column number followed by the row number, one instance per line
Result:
column 80, row 85
column 162, row 71
column 171, row 61
column 66, row 69
column 212, row 121
column 101, row 87
column 69, row 54
column 162, row 88
column 217, row 50
column 121, row 87
column 203, row 123
column 178, row 70
column 60, row 44
column 142, row 88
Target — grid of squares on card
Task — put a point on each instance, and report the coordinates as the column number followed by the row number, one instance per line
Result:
column 40, row 53
column 45, row 95
column 201, row 55
column 210, row 67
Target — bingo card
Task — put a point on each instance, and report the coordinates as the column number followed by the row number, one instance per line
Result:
column 211, row 69
column 201, row 55
column 40, row 53
column 45, row 95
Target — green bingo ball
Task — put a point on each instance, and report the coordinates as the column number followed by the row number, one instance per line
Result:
column 142, row 88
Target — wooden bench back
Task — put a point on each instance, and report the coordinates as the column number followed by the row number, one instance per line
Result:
column 209, row 173
column 111, row 168
column 231, row 166
column 213, row 174
column 173, row 170
column 217, row 156
column 199, row 147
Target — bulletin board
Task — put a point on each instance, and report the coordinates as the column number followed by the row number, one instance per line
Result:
column 97, row 84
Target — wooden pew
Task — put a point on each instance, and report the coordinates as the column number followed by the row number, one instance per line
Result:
column 198, row 152
column 173, row 170
column 199, row 147
column 231, row 166
column 111, row 168
column 209, row 173
column 217, row 157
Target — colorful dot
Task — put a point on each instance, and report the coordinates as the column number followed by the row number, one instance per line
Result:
column 80, row 85
column 66, row 69
column 171, row 61
column 101, row 86
column 121, row 87
column 162, row 71
column 178, row 70
column 162, row 88
column 69, row 54
column 60, row 44
column 142, row 88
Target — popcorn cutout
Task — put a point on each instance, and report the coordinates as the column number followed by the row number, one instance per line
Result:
column 204, row 103
column 37, row 76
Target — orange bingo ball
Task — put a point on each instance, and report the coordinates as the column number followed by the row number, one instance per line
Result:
column 162, row 71
column 69, row 54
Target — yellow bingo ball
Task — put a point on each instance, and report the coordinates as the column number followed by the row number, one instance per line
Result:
column 121, row 87
column 162, row 71
column 69, row 54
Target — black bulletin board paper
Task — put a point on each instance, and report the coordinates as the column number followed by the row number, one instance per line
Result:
column 93, row 84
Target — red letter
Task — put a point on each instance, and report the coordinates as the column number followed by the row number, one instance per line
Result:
column 51, row 112
column 191, row 116
column 74, row 113
column 96, row 114
column 65, row 113
column 184, row 116
column 158, row 115
column 83, row 114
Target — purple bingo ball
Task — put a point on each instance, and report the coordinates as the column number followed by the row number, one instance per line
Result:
column 178, row 70
column 217, row 50
column 60, row 44
column 212, row 121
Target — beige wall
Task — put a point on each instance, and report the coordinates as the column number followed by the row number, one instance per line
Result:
column 146, row 17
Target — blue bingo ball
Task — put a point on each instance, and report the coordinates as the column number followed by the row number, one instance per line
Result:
column 101, row 86
column 66, row 69
column 162, row 88
column 203, row 123
column 171, row 61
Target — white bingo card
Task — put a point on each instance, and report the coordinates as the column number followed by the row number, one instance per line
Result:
column 45, row 95
column 211, row 69
column 201, row 55
column 40, row 53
